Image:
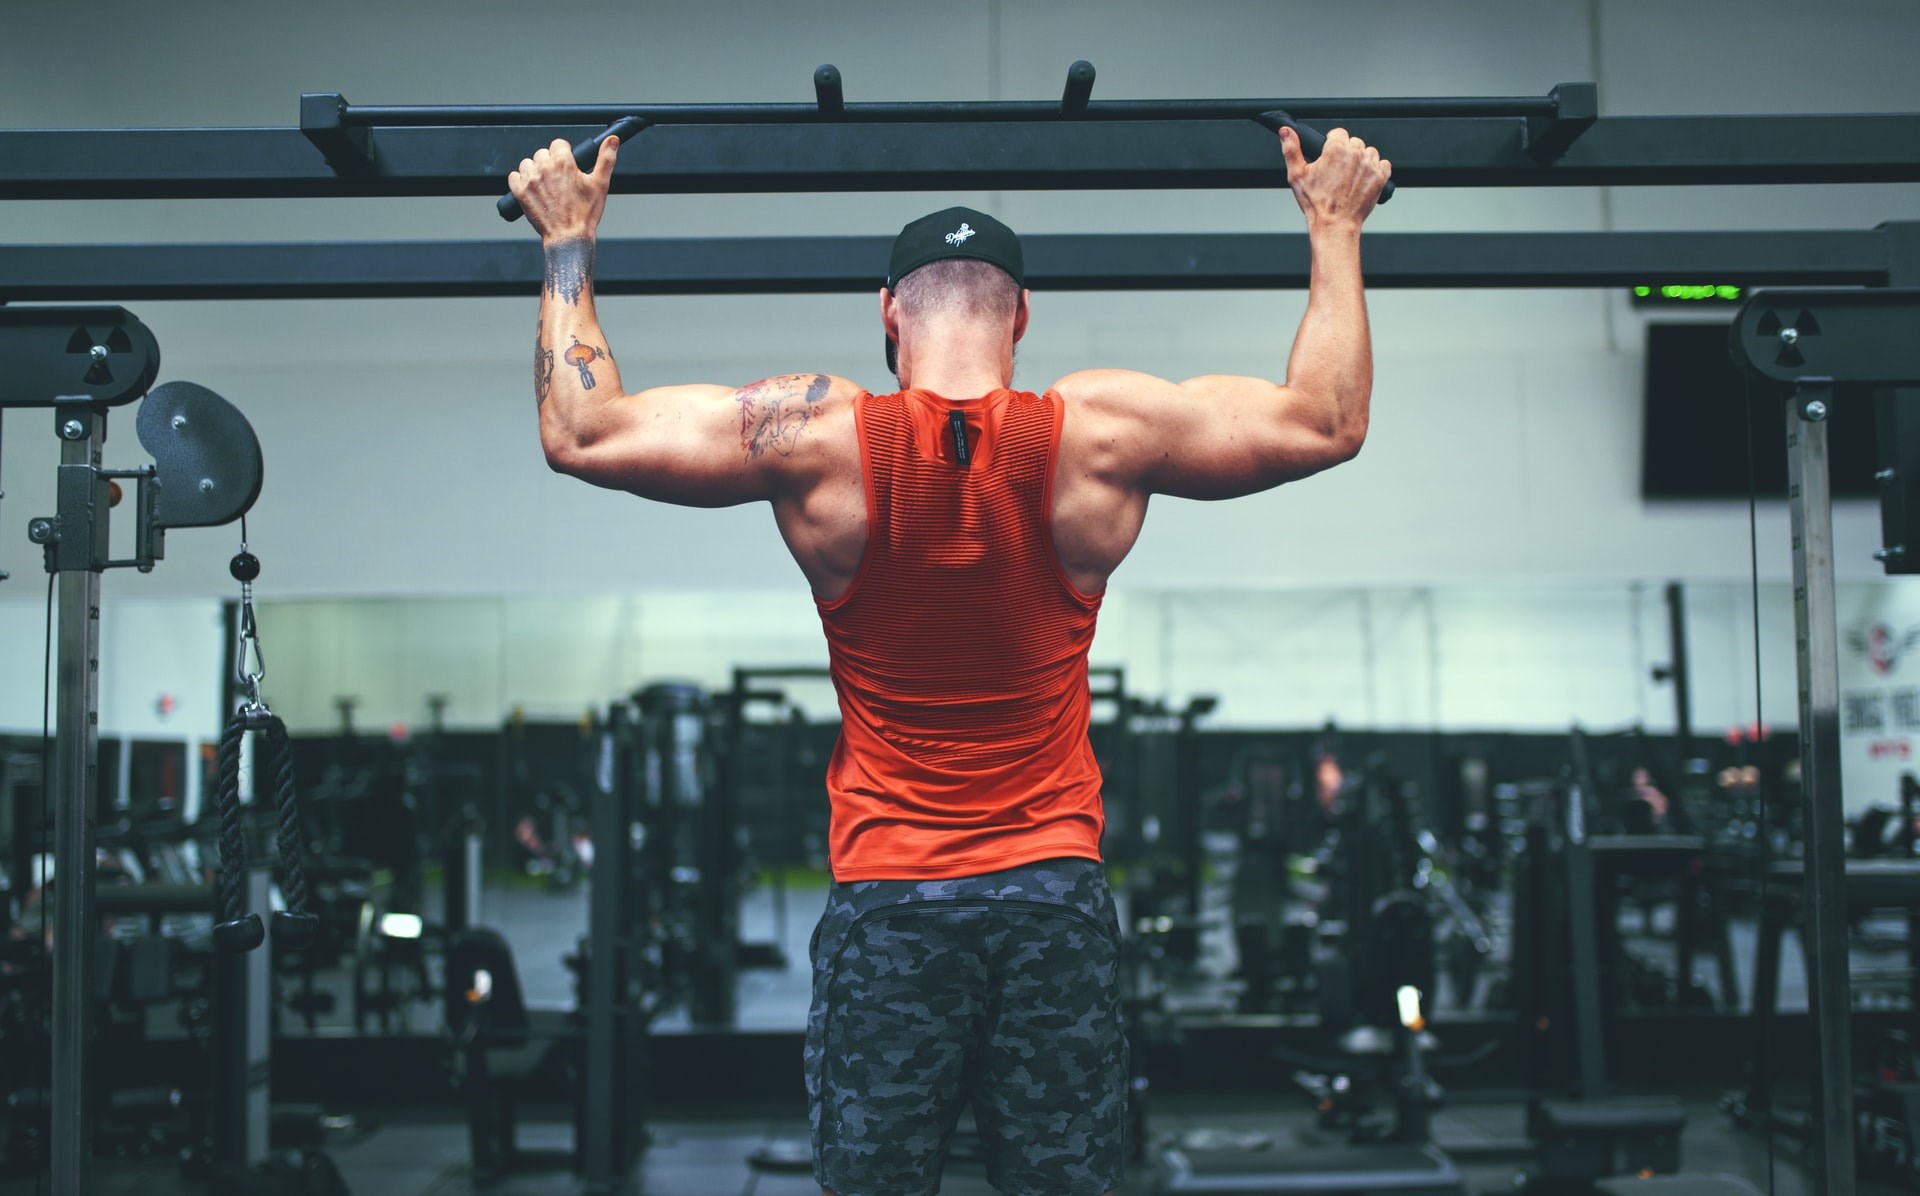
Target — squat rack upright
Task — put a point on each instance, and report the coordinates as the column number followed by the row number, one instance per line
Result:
column 339, row 150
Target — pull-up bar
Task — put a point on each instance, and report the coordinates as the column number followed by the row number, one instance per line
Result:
column 1558, row 140
column 1574, row 101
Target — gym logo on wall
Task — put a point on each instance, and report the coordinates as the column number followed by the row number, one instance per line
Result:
column 1882, row 648
column 1885, row 717
column 959, row 235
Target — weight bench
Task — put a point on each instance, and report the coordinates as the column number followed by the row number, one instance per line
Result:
column 1583, row 1142
column 498, row 1043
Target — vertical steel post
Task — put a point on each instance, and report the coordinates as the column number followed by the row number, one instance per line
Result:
column 82, row 541
column 471, row 874
column 1680, row 668
column 602, row 1152
column 1582, row 931
column 1818, row 663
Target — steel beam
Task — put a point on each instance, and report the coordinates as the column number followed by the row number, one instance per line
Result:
column 82, row 539
column 979, row 155
column 824, row 265
column 1829, row 997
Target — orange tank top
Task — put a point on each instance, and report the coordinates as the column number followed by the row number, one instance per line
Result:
column 959, row 652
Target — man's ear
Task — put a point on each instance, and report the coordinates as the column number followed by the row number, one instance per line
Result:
column 890, row 315
column 1020, row 313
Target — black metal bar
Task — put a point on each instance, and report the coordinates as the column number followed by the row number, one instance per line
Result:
column 1679, row 669
column 74, row 784
column 602, row 1144
column 849, row 156
column 585, row 155
column 1829, row 999
column 1582, row 930
column 1000, row 111
column 827, row 265
column 1897, row 428
column 239, row 1049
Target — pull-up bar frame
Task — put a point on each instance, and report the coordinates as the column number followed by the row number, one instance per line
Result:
column 849, row 265
column 340, row 150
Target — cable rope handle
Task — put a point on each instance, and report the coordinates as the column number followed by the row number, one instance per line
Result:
column 293, row 927
column 236, row 930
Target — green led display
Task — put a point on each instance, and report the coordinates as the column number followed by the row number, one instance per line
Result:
column 1688, row 293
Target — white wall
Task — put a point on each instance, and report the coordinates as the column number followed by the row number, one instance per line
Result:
column 399, row 436
column 160, row 666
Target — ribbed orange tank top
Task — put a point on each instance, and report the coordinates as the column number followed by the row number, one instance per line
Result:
column 960, row 651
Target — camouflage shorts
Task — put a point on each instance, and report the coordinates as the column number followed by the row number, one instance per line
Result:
column 1001, row 990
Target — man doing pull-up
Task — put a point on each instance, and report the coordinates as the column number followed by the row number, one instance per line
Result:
column 958, row 536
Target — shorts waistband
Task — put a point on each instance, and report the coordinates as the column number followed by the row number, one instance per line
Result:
column 1071, row 881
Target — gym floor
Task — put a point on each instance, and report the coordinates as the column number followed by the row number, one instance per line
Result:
column 705, row 1153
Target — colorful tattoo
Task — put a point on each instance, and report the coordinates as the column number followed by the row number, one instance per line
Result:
column 774, row 411
column 581, row 357
column 570, row 269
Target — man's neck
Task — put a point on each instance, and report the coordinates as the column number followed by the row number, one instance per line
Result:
column 958, row 363
column 957, row 385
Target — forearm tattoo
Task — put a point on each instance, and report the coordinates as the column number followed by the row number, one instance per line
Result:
column 581, row 357
column 570, row 269
column 542, row 371
column 774, row 411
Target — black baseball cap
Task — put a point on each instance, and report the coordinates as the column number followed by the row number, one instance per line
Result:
column 955, row 232
column 950, row 233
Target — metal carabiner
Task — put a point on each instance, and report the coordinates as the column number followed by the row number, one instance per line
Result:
column 249, row 661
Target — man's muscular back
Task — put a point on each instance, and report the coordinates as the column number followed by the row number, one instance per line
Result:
column 791, row 440
column 820, row 500
column 797, row 447
column 1123, row 437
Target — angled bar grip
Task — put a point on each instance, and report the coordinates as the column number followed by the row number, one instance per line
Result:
column 1312, row 140
column 584, row 156
column 828, row 94
column 1073, row 99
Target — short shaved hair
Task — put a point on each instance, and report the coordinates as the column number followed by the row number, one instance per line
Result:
column 959, row 286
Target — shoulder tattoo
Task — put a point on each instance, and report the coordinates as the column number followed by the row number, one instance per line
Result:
column 774, row 412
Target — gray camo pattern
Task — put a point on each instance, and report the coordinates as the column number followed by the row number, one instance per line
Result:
column 928, row 994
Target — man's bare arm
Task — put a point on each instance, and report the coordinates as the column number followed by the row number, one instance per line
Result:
column 1219, row 436
column 697, row 445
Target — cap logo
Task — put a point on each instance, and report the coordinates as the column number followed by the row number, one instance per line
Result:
column 959, row 235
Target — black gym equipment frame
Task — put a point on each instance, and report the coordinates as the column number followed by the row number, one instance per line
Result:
column 1819, row 340
column 1055, row 262
column 340, row 151
column 79, row 363
column 1558, row 140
